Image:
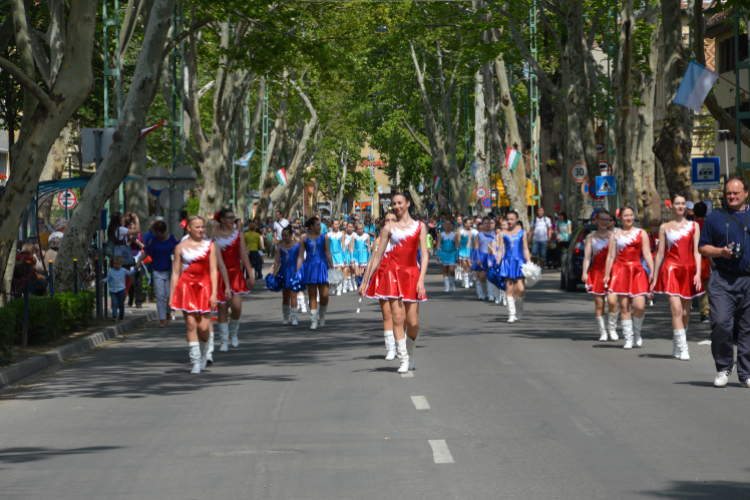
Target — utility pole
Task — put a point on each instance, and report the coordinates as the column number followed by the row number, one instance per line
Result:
column 112, row 75
column 536, row 183
column 177, row 63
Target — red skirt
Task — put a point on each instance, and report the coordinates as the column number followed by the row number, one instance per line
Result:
column 236, row 282
column 595, row 282
column 192, row 295
column 676, row 279
column 628, row 278
column 395, row 282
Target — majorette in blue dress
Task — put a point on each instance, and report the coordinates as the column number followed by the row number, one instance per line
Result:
column 481, row 259
column 288, row 265
column 464, row 244
column 448, row 252
column 336, row 240
column 361, row 254
column 315, row 267
column 513, row 258
column 348, row 254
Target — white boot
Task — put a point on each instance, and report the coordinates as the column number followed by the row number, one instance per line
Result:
column 353, row 279
column 519, row 308
column 345, row 285
column 466, row 280
column 210, row 355
column 234, row 330
column 675, row 347
column 505, row 297
column 223, row 329
column 204, row 353
column 403, row 356
column 322, row 317
column 627, row 332
column 390, row 345
column 452, row 279
column 338, row 289
column 602, row 328
column 612, row 326
column 482, row 287
column 410, row 350
column 313, row 319
column 195, row 356
column 490, row 291
column 512, row 310
column 447, row 284
column 498, row 296
column 285, row 312
column 457, row 274
column 302, row 304
column 637, row 327
column 681, row 336
column 293, row 316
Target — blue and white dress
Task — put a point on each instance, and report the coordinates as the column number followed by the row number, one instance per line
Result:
column 361, row 255
column 315, row 268
column 513, row 258
column 481, row 259
column 464, row 244
column 348, row 255
column 288, row 265
column 448, row 252
column 336, row 240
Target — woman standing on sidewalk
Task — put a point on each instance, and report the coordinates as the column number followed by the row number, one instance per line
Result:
column 233, row 251
column 626, row 277
column 370, row 283
column 403, row 280
column 317, row 260
column 161, row 248
column 594, row 267
column 195, row 282
column 678, row 274
column 515, row 253
column 287, row 254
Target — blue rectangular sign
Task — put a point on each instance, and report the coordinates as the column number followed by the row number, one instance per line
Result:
column 706, row 172
column 605, row 185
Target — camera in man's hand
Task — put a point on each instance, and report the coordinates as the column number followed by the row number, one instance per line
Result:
column 737, row 251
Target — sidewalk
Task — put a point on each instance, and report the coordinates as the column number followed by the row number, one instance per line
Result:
column 36, row 364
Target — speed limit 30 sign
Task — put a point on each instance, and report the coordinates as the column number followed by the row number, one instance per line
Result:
column 579, row 172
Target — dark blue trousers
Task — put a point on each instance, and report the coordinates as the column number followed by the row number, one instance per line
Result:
column 730, row 321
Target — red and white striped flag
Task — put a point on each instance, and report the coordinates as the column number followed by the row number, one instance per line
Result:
column 148, row 130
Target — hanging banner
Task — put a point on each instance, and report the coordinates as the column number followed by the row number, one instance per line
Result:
column 512, row 158
column 281, row 176
column 436, row 181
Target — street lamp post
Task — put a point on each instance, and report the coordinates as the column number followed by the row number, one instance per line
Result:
column 726, row 151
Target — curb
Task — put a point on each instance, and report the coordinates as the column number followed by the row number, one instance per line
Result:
column 35, row 364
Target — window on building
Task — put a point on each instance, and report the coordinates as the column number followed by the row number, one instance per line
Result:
column 3, row 163
column 746, row 122
column 726, row 53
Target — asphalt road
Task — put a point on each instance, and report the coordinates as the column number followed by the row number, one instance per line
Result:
column 538, row 409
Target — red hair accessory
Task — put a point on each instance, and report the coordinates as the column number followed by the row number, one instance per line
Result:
column 183, row 224
column 216, row 216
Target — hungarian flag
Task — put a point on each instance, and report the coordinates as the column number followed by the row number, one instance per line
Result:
column 511, row 158
column 436, row 181
column 281, row 176
column 148, row 130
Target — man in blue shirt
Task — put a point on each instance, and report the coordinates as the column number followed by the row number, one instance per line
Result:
column 724, row 240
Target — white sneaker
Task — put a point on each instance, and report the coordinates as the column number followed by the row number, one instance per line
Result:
column 746, row 383
column 722, row 378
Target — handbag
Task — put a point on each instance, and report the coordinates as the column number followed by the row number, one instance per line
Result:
column 124, row 251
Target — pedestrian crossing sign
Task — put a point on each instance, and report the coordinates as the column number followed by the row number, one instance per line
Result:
column 605, row 185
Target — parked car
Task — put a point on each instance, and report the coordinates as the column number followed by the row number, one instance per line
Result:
column 571, row 259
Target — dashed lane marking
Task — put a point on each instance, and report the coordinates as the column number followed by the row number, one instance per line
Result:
column 440, row 452
column 407, row 375
column 420, row 402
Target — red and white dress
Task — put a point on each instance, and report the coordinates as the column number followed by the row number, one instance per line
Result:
column 399, row 278
column 595, row 281
column 230, row 254
column 628, row 277
column 379, row 275
column 192, row 293
column 678, row 269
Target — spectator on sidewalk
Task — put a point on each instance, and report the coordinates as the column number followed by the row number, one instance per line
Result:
column 37, row 284
column 700, row 211
column 541, row 231
column 254, row 244
column 135, row 288
column 116, row 279
column 161, row 248
column 278, row 226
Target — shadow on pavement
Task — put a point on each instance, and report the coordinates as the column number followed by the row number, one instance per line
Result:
column 33, row 454
column 700, row 490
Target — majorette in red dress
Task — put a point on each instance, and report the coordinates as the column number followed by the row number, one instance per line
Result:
column 399, row 278
column 378, row 275
column 595, row 281
column 230, row 254
column 192, row 293
column 678, row 269
column 628, row 277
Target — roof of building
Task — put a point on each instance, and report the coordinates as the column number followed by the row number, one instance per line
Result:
column 718, row 24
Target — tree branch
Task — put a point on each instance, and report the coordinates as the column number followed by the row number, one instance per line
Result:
column 416, row 137
column 192, row 29
column 550, row 31
column 27, row 83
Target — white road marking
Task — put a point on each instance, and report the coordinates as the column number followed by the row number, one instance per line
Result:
column 407, row 375
column 420, row 402
column 440, row 451
column 586, row 426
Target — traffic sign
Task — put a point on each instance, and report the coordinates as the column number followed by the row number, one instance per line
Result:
column 487, row 203
column 601, row 148
column 605, row 185
column 579, row 172
column 706, row 172
column 68, row 201
column 588, row 189
column 481, row 192
column 605, row 168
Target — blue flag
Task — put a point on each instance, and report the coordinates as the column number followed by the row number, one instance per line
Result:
column 695, row 86
column 245, row 159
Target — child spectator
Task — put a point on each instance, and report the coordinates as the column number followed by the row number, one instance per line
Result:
column 116, row 280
